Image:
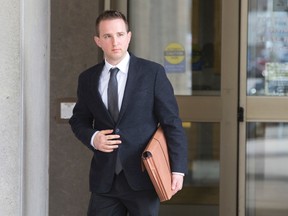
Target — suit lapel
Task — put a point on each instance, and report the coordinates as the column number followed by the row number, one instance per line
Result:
column 94, row 87
column 130, row 84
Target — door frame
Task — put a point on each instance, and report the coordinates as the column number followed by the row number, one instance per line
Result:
column 229, row 98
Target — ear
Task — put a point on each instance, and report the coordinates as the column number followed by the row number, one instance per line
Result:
column 129, row 35
column 97, row 41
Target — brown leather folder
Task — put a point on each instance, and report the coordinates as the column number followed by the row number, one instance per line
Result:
column 156, row 161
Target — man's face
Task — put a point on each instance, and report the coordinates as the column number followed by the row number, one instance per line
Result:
column 113, row 39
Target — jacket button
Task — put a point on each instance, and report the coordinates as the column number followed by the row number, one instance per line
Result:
column 117, row 130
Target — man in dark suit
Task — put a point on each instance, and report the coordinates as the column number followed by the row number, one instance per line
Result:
column 144, row 99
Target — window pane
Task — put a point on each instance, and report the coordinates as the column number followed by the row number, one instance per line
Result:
column 267, row 57
column 266, row 171
column 185, row 37
column 201, row 186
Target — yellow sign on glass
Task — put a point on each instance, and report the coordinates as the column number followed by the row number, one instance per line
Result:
column 174, row 53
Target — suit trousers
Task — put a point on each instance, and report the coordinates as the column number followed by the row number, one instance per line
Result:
column 123, row 201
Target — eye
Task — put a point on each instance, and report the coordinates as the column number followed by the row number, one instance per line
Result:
column 106, row 36
column 121, row 34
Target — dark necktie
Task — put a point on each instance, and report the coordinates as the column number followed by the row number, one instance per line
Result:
column 113, row 94
column 113, row 106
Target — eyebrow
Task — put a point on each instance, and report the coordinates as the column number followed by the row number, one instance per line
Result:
column 109, row 34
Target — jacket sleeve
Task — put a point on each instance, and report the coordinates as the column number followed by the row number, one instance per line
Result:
column 167, row 112
column 82, row 119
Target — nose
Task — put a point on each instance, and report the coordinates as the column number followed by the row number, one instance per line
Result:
column 114, row 40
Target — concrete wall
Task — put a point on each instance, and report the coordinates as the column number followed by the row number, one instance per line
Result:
column 24, row 107
column 35, row 78
column 10, row 103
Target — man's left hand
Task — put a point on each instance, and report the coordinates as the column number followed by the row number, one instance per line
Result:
column 177, row 183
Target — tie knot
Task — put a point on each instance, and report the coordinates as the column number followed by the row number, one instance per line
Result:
column 114, row 71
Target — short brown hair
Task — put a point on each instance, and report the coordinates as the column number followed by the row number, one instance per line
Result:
column 109, row 15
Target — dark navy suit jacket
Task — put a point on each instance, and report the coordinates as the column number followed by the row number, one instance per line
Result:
column 148, row 100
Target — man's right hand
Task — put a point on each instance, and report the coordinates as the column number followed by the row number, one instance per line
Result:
column 106, row 141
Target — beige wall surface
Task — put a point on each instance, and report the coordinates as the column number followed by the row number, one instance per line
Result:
column 72, row 51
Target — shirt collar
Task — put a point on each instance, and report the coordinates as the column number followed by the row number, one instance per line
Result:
column 123, row 65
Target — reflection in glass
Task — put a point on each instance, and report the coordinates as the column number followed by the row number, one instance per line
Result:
column 185, row 37
column 201, row 186
column 266, row 169
column 267, row 48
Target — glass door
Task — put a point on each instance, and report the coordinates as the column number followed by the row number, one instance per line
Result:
column 197, row 42
column 263, row 148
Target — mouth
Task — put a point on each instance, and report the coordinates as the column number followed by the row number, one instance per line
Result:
column 116, row 50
